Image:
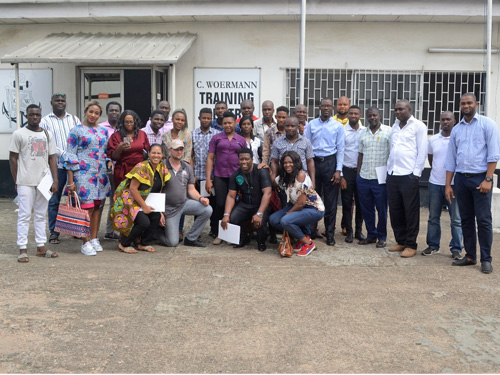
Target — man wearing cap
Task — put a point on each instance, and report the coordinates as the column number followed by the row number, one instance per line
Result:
column 182, row 198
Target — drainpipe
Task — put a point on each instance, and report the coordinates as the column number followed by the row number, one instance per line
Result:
column 489, row 31
column 19, row 120
column 302, row 50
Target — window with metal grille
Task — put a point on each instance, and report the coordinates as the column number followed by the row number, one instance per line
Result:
column 429, row 92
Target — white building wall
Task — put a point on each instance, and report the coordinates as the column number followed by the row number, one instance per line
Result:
column 274, row 46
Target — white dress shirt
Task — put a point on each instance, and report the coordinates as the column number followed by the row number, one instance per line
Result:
column 408, row 148
column 351, row 148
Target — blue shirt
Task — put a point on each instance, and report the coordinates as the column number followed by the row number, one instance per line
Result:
column 472, row 146
column 327, row 138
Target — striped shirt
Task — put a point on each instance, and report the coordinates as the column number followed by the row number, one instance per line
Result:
column 152, row 137
column 200, row 150
column 60, row 128
column 375, row 149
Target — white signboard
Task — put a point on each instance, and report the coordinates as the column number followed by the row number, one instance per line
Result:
column 227, row 85
column 35, row 87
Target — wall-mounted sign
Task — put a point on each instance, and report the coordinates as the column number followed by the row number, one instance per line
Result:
column 228, row 85
column 35, row 87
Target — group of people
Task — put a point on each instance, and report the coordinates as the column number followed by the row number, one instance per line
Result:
column 279, row 172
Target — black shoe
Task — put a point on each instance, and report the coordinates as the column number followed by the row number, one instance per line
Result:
column 195, row 243
column 380, row 244
column 349, row 238
column 464, row 262
column 330, row 241
column 243, row 242
column 272, row 239
column 212, row 234
column 359, row 236
column 367, row 241
column 486, row 267
column 112, row 236
column 262, row 247
column 455, row 254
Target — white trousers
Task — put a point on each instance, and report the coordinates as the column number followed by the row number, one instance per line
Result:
column 30, row 199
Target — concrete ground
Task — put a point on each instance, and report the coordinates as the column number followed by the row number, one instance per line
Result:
column 346, row 309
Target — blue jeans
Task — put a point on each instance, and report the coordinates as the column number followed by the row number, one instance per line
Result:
column 62, row 176
column 436, row 202
column 373, row 195
column 474, row 207
column 297, row 222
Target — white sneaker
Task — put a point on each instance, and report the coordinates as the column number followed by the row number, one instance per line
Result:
column 96, row 244
column 88, row 249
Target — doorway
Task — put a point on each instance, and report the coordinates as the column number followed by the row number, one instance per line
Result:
column 138, row 89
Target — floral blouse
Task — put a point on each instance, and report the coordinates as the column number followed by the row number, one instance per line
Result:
column 86, row 157
column 313, row 200
column 185, row 136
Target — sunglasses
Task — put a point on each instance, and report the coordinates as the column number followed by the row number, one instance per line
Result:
column 58, row 94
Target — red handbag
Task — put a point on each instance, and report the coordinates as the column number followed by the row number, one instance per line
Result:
column 73, row 221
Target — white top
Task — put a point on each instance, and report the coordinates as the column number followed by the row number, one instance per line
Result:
column 313, row 200
column 351, row 142
column 34, row 149
column 408, row 148
column 438, row 148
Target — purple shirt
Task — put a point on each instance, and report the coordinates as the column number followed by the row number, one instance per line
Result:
column 226, row 153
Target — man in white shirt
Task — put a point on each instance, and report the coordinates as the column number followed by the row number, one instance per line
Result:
column 348, row 186
column 58, row 123
column 404, row 167
column 437, row 151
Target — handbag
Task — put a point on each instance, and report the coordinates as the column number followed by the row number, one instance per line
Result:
column 73, row 221
column 275, row 202
column 285, row 247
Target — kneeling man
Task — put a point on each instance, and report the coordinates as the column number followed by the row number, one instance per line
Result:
column 177, row 202
column 253, row 186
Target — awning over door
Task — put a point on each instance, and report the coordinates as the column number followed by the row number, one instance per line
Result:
column 112, row 48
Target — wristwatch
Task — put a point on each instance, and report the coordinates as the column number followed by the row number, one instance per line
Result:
column 488, row 179
column 259, row 214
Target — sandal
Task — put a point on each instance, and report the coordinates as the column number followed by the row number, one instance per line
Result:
column 149, row 249
column 54, row 239
column 127, row 249
column 23, row 258
column 46, row 254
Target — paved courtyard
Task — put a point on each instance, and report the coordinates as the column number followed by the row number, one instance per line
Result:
column 220, row 310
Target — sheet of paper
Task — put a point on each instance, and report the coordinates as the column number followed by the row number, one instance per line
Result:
column 231, row 234
column 203, row 191
column 157, row 201
column 381, row 174
column 45, row 184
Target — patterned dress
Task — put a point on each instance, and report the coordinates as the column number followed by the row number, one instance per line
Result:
column 125, row 208
column 86, row 157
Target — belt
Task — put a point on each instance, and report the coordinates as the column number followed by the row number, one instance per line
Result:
column 354, row 168
column 470, row 174
column 323, row 158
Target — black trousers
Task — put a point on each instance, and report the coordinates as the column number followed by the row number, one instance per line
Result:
column 221, row 186
column 214, row 223
column 325, row 168
column 347, row 196
column 144, row 227
column 242, row 213
column 404, row 208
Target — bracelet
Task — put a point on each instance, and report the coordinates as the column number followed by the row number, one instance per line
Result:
column 226, row 214
column 199, row 199
column 70, row 184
